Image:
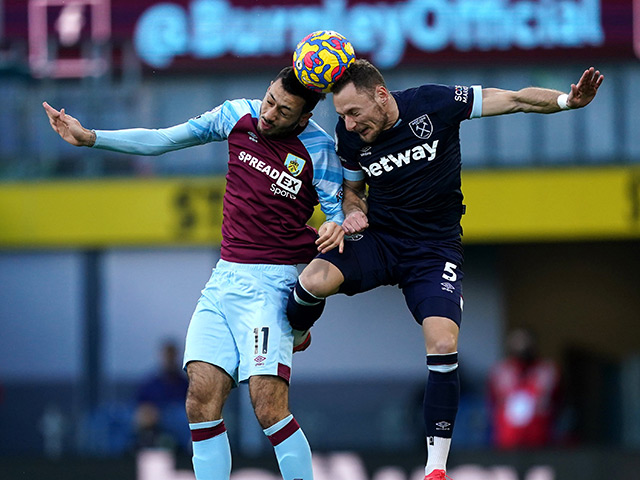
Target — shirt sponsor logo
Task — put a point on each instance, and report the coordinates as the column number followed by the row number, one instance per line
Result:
column 421, row 127
column 294, row 164
column 388, row 162
column 285, row 185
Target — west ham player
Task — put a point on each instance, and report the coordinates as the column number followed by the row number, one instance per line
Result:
column 281, row 164
column 406, row 229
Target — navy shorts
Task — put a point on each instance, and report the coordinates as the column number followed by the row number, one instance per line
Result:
column 429, row 272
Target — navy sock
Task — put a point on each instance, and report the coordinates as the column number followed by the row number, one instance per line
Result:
column 303, row 308
column 442, row 395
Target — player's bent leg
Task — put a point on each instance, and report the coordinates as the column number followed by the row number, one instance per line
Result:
column 306, row 302
column 442, row 393
column 440, row 335
column 270, row 399
column 209, row 387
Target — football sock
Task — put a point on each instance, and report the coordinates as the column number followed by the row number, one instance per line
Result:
column 441, row 399
column 437, row 453
column 291, row 448
column 211, row 451
column 303, row 308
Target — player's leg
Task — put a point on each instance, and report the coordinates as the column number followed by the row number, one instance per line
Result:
column 209, row 387
column 211, row 361
column 307, row 299
column 432, row 284
column 365, row 263
column 442, row 392
column 256, row 313
column 270, row 399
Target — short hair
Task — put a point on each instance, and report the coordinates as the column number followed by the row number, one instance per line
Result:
column 293, row 86
column 364, row 76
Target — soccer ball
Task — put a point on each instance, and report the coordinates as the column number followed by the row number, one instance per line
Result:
column 321, row 58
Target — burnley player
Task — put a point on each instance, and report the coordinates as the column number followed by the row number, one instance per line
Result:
column 280, row 165
column 406, row 230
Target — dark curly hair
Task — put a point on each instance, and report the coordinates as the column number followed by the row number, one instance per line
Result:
column 293, row 86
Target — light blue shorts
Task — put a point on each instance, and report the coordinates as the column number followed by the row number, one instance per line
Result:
column 240, row 324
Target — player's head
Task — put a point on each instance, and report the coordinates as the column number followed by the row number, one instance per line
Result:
column 287, row 105
column 361, row 98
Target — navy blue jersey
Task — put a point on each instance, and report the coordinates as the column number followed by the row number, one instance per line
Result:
column 413, row 169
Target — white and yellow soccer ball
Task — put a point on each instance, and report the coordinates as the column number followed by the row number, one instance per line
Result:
column 321, row 58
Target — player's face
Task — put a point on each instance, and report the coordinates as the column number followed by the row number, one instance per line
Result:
column 281, row 112
column 362, row 112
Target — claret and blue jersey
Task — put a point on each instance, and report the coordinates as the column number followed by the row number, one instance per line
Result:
column 273, row 184
column 413, row 169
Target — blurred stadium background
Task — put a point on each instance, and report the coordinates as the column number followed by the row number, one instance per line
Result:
column 102, row 256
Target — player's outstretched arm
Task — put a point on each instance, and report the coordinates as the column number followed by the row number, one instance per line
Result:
column 69, row 128
column 496, row 101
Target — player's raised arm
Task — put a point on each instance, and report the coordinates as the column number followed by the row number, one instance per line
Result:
column 69, row 128
column 496, row 101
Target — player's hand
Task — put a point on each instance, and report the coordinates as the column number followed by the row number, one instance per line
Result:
column 587, row 87
column 68, row 127
column 330, row 236
column 355, row 222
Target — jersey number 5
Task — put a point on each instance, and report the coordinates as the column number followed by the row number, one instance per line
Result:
column 450, row 272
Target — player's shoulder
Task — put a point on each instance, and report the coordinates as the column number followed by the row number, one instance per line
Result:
column 315, row 134
column 241, row 106
column 317, row 141
column 428, row 95
column 230, row 111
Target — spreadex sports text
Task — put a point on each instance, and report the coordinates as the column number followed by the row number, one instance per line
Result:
column 285, row 185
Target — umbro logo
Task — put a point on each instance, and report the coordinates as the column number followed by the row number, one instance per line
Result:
column 421, row 126
column 364, row 151
column 447, row 287
column 442, row 425
column 259, row 360
column 253, row 137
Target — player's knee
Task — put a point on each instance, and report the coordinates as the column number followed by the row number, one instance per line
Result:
column 270, row 399
column 195, row 403
column 321, row 278
column 268, row 415
column 207, row 392
column 443, row 345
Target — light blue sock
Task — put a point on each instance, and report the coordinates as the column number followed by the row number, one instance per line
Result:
column 291, row 448
column 211, row 451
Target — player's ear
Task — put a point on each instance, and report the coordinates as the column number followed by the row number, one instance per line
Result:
column 304, row 119
column 382, row 94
